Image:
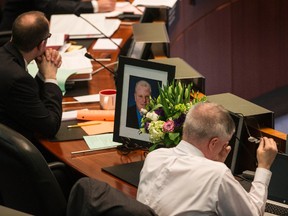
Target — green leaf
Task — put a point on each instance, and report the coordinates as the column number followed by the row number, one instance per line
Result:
column 175, row 99
column 187, row 95
column 174, row 136
column 165, row 106
column 153, row 147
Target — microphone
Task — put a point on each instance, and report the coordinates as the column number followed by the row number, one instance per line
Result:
column 89, row 56
column 90, row 23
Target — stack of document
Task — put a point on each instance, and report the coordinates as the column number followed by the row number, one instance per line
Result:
column 75, row 67
column 56, row 41
column 77, row 62
column 155, row 3
column 90, row 26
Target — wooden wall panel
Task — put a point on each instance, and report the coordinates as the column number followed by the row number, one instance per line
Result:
column 240, row 46
column 178, row 50
column 209, row 50
column 190, row 14
column 283, row 17
column 256, row 51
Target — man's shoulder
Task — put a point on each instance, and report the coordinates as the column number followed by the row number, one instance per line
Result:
column 187, row 159
column 131, row 108
column 8, row 53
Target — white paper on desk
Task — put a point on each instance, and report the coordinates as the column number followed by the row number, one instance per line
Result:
column 57, row 40
column 122, row 7
column 76, row 61
column 107, row 44
column 88, row 98
column 130, row 8
column 64, row 48
column 77, row 28
column 69, row 115
column 155, row 3
column 101, row 141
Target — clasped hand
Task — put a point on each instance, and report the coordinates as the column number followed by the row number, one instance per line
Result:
column 48, row 63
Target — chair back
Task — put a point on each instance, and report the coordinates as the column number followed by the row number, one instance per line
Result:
column 91, row 197
column 26, row 183
column 5, row 35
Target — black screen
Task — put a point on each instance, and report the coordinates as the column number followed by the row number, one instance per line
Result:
column 278, row 187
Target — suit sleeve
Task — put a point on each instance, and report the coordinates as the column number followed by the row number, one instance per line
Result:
column 37, row 106
column 63, row 6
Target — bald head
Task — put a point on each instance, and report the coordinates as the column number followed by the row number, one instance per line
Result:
column 207, row 120
column 29, row 30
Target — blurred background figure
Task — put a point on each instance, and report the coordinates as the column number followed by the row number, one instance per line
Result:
column 12, row 8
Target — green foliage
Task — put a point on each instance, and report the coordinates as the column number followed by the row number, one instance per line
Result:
column 174, row 101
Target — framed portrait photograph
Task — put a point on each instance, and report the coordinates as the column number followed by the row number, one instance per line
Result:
column 137, row 80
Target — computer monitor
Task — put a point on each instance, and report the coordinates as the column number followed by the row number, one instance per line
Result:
column 232, row 159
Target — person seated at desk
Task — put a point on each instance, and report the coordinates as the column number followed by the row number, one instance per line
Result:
column 30, row 105
column 191, row 178
column 142, row 95
column 92, row 197
column 13, row 8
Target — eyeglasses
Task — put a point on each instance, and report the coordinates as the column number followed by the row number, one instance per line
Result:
column 256, row 127
column 46, row 38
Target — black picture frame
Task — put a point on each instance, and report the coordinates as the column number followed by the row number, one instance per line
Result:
column 130, row 70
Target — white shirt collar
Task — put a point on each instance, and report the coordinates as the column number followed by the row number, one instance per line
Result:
column 188, row 148
column 26, row 64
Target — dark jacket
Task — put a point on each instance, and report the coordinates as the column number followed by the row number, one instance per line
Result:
column 93, row 197
column 13, row 8
column 131, row 119
column 27, row 105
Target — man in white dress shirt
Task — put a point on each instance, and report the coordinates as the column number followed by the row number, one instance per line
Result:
column 191, row 179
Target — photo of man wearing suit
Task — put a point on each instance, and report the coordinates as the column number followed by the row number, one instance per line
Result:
column 142, row 95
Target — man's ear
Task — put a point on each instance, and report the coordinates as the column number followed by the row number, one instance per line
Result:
column 41, row 45
column 212, row 143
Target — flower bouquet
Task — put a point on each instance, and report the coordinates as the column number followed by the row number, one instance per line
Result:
column 164, row 116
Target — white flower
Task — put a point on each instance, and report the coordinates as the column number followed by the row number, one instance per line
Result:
column 143, row 111
column 152, row 115
column 155, row 131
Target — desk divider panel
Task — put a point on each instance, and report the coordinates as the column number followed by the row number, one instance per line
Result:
column 255, row 117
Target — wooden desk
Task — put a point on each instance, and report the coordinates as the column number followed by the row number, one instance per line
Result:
column 90, row 165
column 279, row 137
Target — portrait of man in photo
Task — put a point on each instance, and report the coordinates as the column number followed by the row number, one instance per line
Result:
column 142, row 93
